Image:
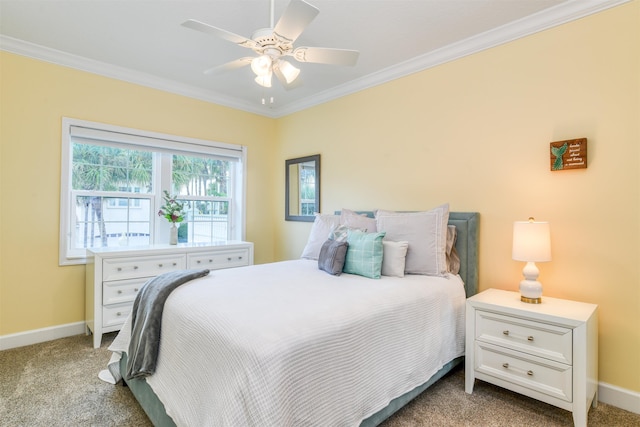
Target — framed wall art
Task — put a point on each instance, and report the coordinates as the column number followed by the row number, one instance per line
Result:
column 569, row 154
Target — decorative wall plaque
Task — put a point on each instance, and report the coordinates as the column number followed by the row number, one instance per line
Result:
column 569, row 154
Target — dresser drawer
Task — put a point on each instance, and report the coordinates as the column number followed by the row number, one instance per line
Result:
column 218, row 260
column 121, row 290
column 114, row 276
column 114, row 315
column 541, row 375
column 539, row 339
column 122, row 268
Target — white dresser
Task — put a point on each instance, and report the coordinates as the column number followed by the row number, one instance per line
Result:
column 546, row 351
column 114, row 275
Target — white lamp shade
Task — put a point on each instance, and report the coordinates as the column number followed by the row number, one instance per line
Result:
column 261, row 65
column 531, row 241
column 289, row 72
column 264, row 81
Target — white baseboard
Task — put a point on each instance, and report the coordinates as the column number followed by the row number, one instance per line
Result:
column 619, row 397
column 607, row 393
column 41, row 335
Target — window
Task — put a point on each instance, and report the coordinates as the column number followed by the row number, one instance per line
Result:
column 203, row 185
column 124, row 203
column 113, row 180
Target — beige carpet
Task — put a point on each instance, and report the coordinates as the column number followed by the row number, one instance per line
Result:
column 56, row 384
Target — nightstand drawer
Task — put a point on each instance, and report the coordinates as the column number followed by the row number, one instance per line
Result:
column 121, row 291
column 118, row 269
column 541, row 375
column 215, row 261
column 114, row 315
column 536, row 338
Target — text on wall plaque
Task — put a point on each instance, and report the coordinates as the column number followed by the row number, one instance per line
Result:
column 569, row 154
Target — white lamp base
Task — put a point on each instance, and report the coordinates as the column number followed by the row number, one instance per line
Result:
column 530, row 288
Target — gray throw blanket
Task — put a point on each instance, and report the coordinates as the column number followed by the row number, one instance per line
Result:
column 147, row 319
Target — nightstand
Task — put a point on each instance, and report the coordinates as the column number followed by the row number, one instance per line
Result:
column 546, row 351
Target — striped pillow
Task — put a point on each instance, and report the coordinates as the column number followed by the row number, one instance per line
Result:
column 426, row 233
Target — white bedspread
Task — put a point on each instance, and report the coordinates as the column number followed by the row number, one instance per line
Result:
column 286, row 344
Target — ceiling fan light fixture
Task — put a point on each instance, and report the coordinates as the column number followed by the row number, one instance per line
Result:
column 289, row 72
column 264, row 81
column 261, row 65
column 275, row 43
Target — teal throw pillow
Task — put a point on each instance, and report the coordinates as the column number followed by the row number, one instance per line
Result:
column 364, row 255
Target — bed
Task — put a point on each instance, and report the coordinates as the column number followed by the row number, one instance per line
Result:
column 195, row 392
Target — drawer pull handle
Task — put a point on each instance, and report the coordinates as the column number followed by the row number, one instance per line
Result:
column 174, row 264
column 118, row 314
column 529, row 338
column 135, row 267
column 119, row 269
column 119, row 291
column 529, row 372
column 136, row 289
column 210, row 261
column 160, row 265
column 198, row 261
column 229, row 259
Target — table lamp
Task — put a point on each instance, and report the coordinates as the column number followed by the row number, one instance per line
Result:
column 531, row 243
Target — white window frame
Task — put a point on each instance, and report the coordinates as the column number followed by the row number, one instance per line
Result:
column 158, row 142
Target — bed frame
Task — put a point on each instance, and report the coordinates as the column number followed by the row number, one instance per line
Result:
column 467, row 246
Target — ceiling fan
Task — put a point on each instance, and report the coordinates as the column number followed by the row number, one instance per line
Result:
column 272, row 45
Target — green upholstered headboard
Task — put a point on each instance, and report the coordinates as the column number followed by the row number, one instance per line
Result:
column 466, row 244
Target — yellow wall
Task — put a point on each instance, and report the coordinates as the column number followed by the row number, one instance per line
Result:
column 475, row 132
column 34, row 96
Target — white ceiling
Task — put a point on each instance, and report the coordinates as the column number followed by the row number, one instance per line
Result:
column 142, row 41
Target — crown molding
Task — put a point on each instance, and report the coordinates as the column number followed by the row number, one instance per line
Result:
column 560, row 14
column 543, row 20
column 32, row 50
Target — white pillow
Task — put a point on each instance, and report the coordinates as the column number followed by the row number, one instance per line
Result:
column 355, row 220
column 426, row 233
column 393, row 258
column 320, row 230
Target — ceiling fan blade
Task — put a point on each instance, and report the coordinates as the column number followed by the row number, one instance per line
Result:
column 295, row 19
column 238, row 63
column 224, row 34
column 325, row 55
